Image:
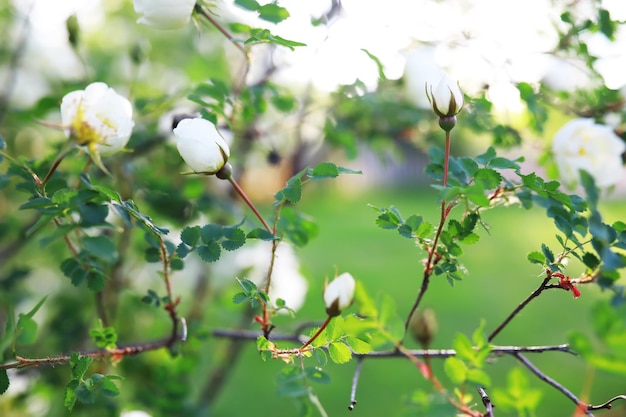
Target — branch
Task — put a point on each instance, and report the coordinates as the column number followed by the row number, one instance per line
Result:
column 581, row 405
column 355, row 381
column 486, row 402
column 607, row 404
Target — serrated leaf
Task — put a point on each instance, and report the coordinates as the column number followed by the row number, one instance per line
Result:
column 339, row 353
column 190, row 235
column 388, row 220
column 470, row 238
column 70, row 394
column 210, row 252
column 536, row 257
column 211, row 232
column 547, row 252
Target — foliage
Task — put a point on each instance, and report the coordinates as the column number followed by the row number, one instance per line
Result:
column 119, row 264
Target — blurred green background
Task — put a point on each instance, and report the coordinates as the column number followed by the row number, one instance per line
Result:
column 499, row 278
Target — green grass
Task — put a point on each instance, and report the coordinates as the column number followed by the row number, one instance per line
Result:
column 499, row 277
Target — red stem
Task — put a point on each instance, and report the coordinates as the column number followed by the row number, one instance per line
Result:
column 317, row 333
column 243, row 195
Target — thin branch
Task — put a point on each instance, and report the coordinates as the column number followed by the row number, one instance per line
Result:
column 355, row 381
column 486, row 402
column 607, row 405
column 581, row 405
column 199, row 9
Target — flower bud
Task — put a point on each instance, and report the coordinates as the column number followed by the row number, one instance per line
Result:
column 164, row 14
column 423, row 326
column 201, row 146
column 98, row 119
column 446, row 97
column 339, row 294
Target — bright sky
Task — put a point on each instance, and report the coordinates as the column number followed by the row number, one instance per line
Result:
column 478, row 42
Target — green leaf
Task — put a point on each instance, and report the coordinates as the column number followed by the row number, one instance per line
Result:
column 4, row 378
column 317, row 374
column 339, row 353
column 210, row 252
column 104, row 337
column 292, row 191
column 580, row 343
column 388, row 220
column 265, row 36
column 536, row 257
column 463, row 347
column 547, row 253
column 235, row 238
column 320, row 356
column 248, row 286
column 240, row 297
column 324, row 170
column 357, row 345
column 251, row 5
column 211, row 232
column 101, row 247
column 79, row 365
column 273, row 13
column 456, row 370
column 262, row 234
column 190, row 235
column 487, row 178
column 486, row 157
column 70, row 394
column 479, row 377
column 37, row 203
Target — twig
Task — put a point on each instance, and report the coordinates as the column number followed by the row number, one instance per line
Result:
column 520, row 307
column 355, row 381
column 607, row 404
column 432, row 260
column 221, row 28
column 486, row 402
column 581, row 405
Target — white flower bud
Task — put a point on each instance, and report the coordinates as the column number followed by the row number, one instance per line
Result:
column 164, row 14
column 97, row 118
column 201, row 145
column 446, row 98
column 339, row 294
column 583, row 144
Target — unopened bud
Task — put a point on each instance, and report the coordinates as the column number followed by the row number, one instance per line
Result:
column 423, row 326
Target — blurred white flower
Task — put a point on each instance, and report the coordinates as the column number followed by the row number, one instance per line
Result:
column 98, row 118
column 583, row 144
column 252, row 262
column 339, row 294
column 201, row 145
column 421, row 68
column 135, row 413
column 446, row 97
column 164, row 14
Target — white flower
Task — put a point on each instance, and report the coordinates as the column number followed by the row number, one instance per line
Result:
column 201, row 145
column 583, row 144
column 446, row 98
column 339, row 294
column 98, row 118
column 164, row 14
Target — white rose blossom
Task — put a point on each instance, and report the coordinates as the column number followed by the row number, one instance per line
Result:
column 164, row 14
column 201, row 145
column 581, row 144
column 339, row 294
column 446, row 97
column 98, row 118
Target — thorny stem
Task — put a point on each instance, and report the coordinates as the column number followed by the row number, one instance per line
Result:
column 431, row 260
column 250, row 204
column 581, row 406
column 317, row 333
column 267, row 327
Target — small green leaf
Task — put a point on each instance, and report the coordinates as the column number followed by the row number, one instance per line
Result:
column 357, row 345
column 456, row 370
column 320, row 356
column 463, row 347
column 190, row 235
column 211, row 232
column 79, row 365
column 240, row 297
column 317, row 374
column 70, row 394
column 261, row 234
column 210, row 252
column 339, row 353
column 324, row 170
column 536, row 257
column 273, row 13
column 479, row 377
column 547, row 252
column 251, row 5
column 4, row 378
